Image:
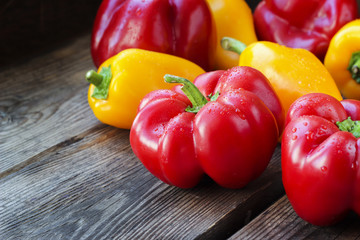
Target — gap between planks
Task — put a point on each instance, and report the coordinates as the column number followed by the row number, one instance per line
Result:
column 280, row 222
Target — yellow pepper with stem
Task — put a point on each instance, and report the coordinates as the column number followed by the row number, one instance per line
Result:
column 292, row 72
column 343, row 59
column 234, row 19
column 124, row 79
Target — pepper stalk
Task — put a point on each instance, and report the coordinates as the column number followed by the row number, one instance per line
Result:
column 197, row 99
column 351, row 126
column 101, row 81
column 354, row 66
column 233, row 45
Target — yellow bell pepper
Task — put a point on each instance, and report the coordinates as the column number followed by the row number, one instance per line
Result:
column 292, row 72
column 234, row 19
column 124, row 79
column 343, row 59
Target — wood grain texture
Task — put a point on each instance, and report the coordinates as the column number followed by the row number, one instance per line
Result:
column 44, row 102
column 281, row 222
column 93, row 187
column 64, row 175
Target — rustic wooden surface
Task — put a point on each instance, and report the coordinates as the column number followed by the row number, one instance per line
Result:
column 43, row 102
column 65, row 175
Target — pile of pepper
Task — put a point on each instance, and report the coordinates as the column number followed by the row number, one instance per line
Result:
column 243, row 81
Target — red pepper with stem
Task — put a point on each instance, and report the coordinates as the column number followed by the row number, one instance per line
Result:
column 320, row 158
column 224, row 125
column 182, row 28
column 308, row 24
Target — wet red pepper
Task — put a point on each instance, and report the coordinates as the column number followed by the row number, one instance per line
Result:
column 320, row 158
column 182, row 28
column 228, row 129
column 308, row 24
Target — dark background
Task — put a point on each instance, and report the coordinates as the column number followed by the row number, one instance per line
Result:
column 34, row 26
column 31, row 27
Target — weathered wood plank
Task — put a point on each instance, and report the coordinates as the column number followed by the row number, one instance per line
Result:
column 43, row 102
column 94, row 187
column 281, row 222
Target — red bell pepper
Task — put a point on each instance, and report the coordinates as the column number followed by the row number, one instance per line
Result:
column 308, row 24
column 182, row 28
column 225, row 126
column 320, row 158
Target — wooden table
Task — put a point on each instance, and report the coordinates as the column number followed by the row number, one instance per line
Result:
column 65, row 175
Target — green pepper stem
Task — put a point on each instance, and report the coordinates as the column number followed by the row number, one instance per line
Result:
column 233, row 45
column 197, row 99
column 354, row 66
column 351, row 126
column 101, row 81
column 94, row 78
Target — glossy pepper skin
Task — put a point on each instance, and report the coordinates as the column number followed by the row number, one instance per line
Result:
column 320, row 158
column 292, row 72
column 234, row 19
column 226, row 131
column 182, row 28
column 308, row 24
column 343, row 59
column 134, row 73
